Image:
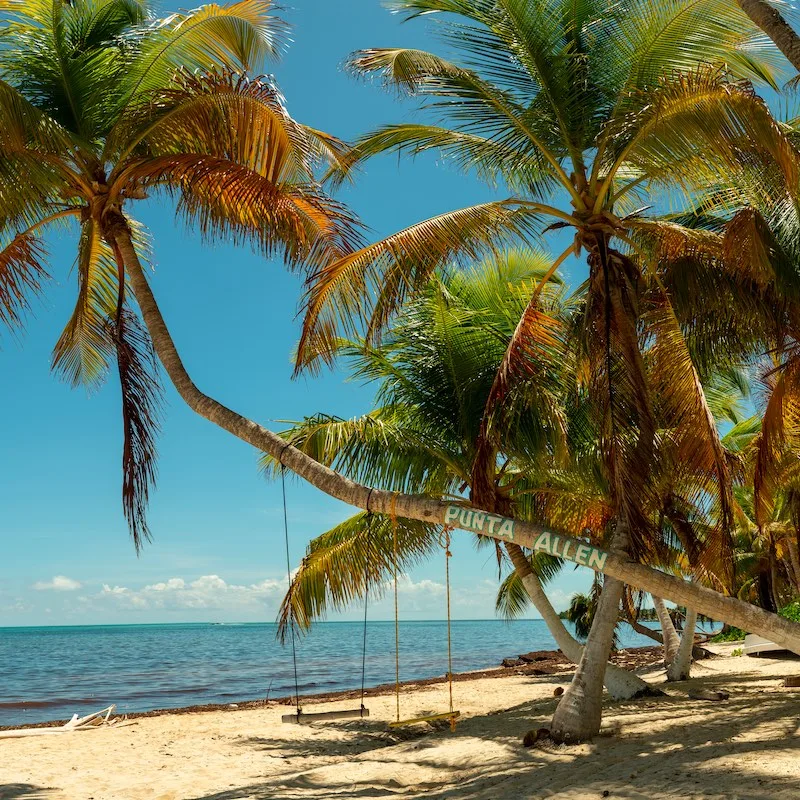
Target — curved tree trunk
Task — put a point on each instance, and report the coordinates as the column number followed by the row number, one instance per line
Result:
column 429, row 509
column 643, row 630
column 680, row 666
column 621, row 683
column 670, row 636
column 775, row 26
column 580, row 710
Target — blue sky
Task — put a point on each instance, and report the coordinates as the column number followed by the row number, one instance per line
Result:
column 218, row 540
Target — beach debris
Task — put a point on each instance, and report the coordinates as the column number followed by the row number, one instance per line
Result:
column 513, row 662
column 712, row 695
column 541, row 655
column 93, row 721
column 533, row 736
column 792, row 681
column 558, row 691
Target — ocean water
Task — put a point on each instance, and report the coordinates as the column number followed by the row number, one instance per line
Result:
column 51, row 673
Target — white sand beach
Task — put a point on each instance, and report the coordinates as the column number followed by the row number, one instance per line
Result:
column 670, row 747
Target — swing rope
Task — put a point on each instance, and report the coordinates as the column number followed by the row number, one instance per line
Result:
column 393, row 514
column 299, row 717
column 447, row 556
column 444, row 540
column 366, row 601
column 289, row 578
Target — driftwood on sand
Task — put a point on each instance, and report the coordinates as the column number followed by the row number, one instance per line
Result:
column 93, row 721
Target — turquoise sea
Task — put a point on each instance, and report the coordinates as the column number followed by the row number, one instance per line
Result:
column 51, row 673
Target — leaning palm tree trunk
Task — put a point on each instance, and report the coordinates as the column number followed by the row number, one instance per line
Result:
column 621, row 684
column 678, row 669
column 669, row 635
column 579, row 713
column 428, row 509
column 775, row 26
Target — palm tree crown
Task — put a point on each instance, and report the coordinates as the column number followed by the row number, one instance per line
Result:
column 102, row 103
column 588, row 115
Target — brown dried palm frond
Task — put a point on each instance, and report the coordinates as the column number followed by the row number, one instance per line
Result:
column 695, row 450
column 21, row 274
column 775, row 447
column 142, row 399
column 618, row 383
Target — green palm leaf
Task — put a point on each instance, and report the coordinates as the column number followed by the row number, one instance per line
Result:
column 349, row 560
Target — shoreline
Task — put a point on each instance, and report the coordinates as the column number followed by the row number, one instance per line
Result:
column 668, row 747
column 542, row 663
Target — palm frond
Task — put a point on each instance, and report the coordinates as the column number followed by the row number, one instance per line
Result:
column 473, row 105
column 22, row 272
column 780, row 426
column 349, row 560
column 241, row 168
column 697, row 129
column 384, row 274
column 86, row 347
column 236, row 36
column 685, row 410
column 512, row 600
column 141, row 410
column 389, row 447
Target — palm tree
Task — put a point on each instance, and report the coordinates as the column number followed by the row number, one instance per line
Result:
column 772, row 22
column 596, row 105
column 433, row 375
column 102, row 104
column 78, row 146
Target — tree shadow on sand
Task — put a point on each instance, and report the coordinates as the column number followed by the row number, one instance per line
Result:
column 357, row 737
column 746, row 749
column 17, row 791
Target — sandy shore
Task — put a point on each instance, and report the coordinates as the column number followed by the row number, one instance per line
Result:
column 671, row 747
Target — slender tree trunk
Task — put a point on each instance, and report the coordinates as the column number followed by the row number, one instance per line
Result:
column 766, row 17
column 671, row 639
column 678, row 669
column 580, row 710
column 794, row 562
column 430, row 509
column 774, row 578
column 765, row 593
column 621, row 683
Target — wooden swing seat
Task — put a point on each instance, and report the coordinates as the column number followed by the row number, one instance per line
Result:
column 302, row 718
column 427, row 718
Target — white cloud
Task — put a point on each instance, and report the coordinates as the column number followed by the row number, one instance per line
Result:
column 18, row 607
column 60, row 583
column 207, row 592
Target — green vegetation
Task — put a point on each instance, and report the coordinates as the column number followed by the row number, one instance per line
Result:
column 729, row 635
column 791, row 611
